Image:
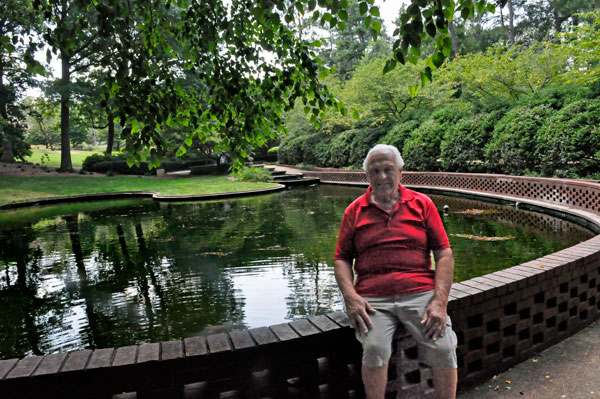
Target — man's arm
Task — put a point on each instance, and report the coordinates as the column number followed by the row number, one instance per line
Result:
column 436, row 313
column 357, row 307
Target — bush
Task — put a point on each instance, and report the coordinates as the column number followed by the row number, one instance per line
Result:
column 554, row 97
column 398, row 134
column 90, row 162
column 463, row 144
column 204, row 170
column 116, row 164
column 253, row 174
column 422, row 149
column 290, row 150
column 569, row 142
column 512, row 148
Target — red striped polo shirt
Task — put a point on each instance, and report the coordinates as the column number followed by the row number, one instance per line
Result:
column 391, row 251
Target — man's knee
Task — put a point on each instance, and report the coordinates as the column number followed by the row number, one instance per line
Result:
column 376, row 354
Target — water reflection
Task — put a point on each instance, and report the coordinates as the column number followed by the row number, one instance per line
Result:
column 100, row 275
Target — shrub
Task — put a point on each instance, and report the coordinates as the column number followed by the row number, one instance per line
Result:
column 463, row 144
column 422, row 149
column 363, row 140
column 512, row 148
column 90, row 162
column 569, row 142
column 339, row 150
column 203, row 170
column 398, row 133
column 253, row 174
column 290, row 150
column 116, row 164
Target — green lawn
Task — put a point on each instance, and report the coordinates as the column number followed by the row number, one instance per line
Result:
column 15, row 188
column 77, row 157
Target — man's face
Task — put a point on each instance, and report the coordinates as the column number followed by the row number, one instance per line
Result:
column 383, row 174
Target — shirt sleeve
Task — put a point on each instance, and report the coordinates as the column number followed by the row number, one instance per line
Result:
column 345, row 244
column 436, row 234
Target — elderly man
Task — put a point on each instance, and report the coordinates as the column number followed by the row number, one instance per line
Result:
column 389, row 233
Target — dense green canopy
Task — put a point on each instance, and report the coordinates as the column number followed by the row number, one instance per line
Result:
column 220, row 70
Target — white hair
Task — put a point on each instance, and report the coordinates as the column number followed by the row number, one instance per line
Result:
column 384, row 149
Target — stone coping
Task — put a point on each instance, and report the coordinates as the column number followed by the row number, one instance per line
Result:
column 138, row 194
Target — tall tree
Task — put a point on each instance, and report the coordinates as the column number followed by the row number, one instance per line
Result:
column 544, row 19
column 17, row 23
column 72, row 32
column 349, row 42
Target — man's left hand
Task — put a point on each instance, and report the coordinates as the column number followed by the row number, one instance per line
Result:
column 434, row 320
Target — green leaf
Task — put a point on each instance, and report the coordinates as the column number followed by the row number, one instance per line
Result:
column 355, row 115
column 374, row 11
column 341, row 26
column 376, row 25
column 400, row 57
column 446, row 50
column 344, row 111
column 438, row 59
column 188, row 141
column 389, row 65
column 413, row 59
column 464, row 13
column 343, row 14
column 363, row 7
column 424, row 79
column 431, row 29
column 413, row 91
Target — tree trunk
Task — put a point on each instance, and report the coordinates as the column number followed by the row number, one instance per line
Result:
column 111, row 134
column 557, row 21
column 65, row 125
column 453, row 39
column 511, row 23
column 7, row 152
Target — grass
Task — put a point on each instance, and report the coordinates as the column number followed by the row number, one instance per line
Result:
column 53, row 159
column 15, row 188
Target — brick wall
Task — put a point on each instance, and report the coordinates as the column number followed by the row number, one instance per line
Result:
column 501, row 319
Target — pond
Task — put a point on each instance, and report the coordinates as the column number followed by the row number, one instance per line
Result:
column 107, row 274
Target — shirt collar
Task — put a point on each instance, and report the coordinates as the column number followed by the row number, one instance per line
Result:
column 405, row 196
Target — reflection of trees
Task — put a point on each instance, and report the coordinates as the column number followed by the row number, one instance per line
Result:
column 28, row 311
column 144, row 271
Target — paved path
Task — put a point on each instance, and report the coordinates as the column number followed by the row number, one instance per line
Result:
column 569, row 369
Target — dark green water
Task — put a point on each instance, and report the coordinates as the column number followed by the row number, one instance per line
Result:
column 94, row 275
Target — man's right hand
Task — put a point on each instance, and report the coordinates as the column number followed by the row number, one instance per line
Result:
column 358, row 310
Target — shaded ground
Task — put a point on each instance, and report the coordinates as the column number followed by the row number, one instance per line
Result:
column 569, row 369
column 24, row 169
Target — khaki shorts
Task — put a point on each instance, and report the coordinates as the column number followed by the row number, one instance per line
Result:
column 409, row 310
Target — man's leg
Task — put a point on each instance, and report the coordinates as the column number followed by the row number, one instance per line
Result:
column 445, row 381
column 377, row 347
column 440, row 355
column 375, row 381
